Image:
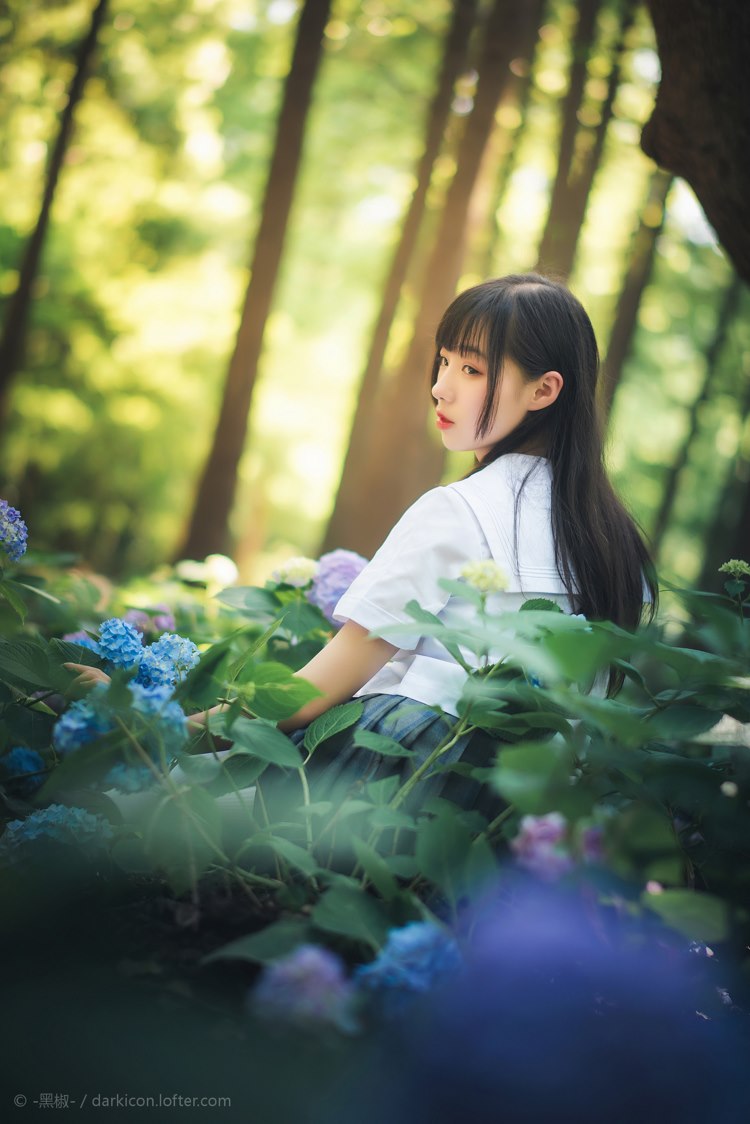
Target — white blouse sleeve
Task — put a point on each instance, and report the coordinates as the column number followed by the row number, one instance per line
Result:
column 434, row 539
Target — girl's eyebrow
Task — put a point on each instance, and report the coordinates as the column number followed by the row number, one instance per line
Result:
column 468, row 350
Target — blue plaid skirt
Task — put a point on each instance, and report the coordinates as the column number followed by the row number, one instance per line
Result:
column 342, row 768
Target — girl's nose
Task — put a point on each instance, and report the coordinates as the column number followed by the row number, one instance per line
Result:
column 441, row 386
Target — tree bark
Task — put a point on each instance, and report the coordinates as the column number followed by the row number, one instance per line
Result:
column 700, row 126
column 726, row 315
column 19, row 305
column 348, row 499
column 403, row 461
column 208, row 530
column 554, row 229
column 640, row 265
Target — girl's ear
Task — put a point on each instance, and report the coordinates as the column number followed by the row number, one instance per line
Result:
column 546, row 390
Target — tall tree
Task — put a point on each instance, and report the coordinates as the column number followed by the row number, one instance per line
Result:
column 18, row 307
column 208, row 530
column 583, row 41
column 348, row 498
column 402, row 461
column 700, row 126
column 726, row 315
column 640, row 265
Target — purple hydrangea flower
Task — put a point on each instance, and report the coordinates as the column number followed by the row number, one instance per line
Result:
column 151, row 624
column 167, row 661
column 336, row 572
column 57, row 823
column 120, row 643
column 538, row 846
column 13, row 532
column 306, row 989
column 413, row 959
column 592, row 844
column 83, row 640
column 25, row 768
column 139, row 620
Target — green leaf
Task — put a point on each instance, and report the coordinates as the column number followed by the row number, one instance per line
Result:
column 35, row 589
column 13, row 598
column 540, row 604
column 461, row 589
column 442, row 850
column 386, row 817
column 300, row 618
column 24, row 663
column 265, row 946
column 531, row 775
column 382, row 791
column 682, row 722
column 379, row 743
column 697, row 916
column 332, row 722
column 734, row 587
column 376, row 870
column 354, row 914
column 263, row 740
column 297, row 856
column 251, row 600
column 278, row 692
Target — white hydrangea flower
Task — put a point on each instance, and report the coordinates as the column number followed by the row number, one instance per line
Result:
column 296, row 571
column 485, row 576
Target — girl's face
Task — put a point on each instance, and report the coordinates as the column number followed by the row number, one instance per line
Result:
column 460, row 392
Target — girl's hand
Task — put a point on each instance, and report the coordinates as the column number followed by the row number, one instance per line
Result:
column 88, row 677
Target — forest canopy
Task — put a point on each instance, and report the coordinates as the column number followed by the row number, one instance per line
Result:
column 179, row 118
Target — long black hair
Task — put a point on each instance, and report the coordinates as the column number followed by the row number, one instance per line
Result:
column 538, row 323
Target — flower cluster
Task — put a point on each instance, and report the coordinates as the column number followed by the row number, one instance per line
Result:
column 298, row 572
column 307, row 989
column 412, row 961
column 120, row 643
column 485, row 576
column 167, row 661
column 159, row 724
column 24, row 768
column 58, row 824
column 539, row 846
column 336, row 572
column 13, row 532
column 83, row 721
column 736, row 568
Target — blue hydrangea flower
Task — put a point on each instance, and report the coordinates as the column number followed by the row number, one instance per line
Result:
column 25, row 768
column 120, row 643
column 336, row 572
column 157, row 702
column 167, row 661
column 307, row 989
column 129, row 778
column 83, row 640
column 83, row 721
column 59, row 824
column 13, row 532
column 413, row 959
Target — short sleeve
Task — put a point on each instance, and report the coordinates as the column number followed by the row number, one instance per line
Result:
column 434, row 539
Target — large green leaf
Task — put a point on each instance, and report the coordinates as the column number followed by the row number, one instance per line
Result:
column 277, row 692
column 332, row 722
column 265, row 946
column 379, row 743
column 263, row 740
column 183, row 835
column 376, row 870
column 354, row 914
column 532, row 775
column 260, row 604
column 443, row 850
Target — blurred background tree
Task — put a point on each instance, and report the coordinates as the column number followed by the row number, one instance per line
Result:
column 443, row 143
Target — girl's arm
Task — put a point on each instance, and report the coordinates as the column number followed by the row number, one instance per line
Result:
column 348, row 660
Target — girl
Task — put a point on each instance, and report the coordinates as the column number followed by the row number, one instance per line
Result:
column 514, row 381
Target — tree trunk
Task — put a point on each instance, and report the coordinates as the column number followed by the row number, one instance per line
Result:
column 348, row 499
column 640, row 264
column 700, row 126
column 208, row 531
column 726, row 315
column 19, row 305
column 554, row 230
column 402, row 460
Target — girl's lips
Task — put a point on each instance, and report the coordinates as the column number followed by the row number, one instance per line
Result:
column 443, row 422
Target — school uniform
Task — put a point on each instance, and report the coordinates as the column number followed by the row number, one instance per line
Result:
column 500, row 513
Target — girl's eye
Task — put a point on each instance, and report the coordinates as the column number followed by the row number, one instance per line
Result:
column 471, row 370
column 443, row 360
